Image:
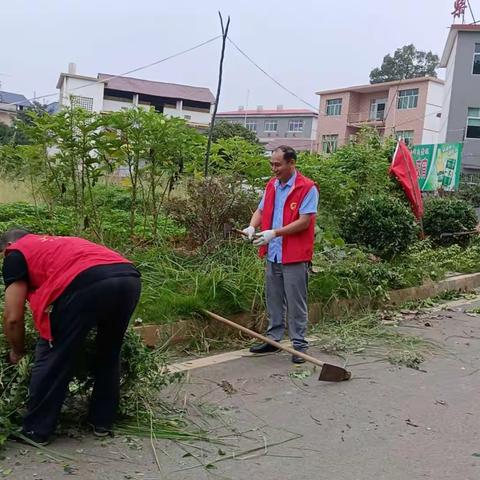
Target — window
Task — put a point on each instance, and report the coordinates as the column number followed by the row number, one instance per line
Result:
column 334, row 107
column 377, row 109
column 83, row 102
column 473, row 123
column 407, row 99
column 329, row 143
column 251, row 125
column 406, row 136
column 295, row 126
column 476, row 60
column 271, row 125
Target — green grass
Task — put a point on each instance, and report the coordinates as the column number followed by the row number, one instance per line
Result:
column 178, row 286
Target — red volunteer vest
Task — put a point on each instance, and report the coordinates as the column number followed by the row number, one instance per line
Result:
column 297, row 247
column 53, row 263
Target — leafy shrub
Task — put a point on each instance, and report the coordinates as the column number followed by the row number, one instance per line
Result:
column 226, row 130
column 112, row 196
column 114, row 223
column 37, row 219
column 209, row 205
column 448, row 215
column 470, row 192
column 381, row 223
column 142, row 375
column 355, row 170
column 345, row 272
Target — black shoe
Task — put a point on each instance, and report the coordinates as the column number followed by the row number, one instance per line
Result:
column 30, row 438
column 263, row 348
column 297, row 359
column 101, row 432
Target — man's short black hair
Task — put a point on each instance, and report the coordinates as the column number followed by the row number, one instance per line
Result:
column 289, row 153
column 11, row 236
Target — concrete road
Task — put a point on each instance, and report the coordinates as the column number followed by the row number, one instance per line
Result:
column 387, row 423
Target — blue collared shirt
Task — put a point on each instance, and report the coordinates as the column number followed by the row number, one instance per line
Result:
column 309, row 205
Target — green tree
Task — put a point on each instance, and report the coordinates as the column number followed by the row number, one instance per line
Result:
column 29, row 113
column 225, row 130
column 125, row 144
column 238, row 157
column 407, row 62
column 6, row 134
column 12, row 135
column 171, row 144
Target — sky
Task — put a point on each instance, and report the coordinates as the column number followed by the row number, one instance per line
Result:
column 306, row 45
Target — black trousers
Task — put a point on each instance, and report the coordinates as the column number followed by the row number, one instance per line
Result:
column 106, row 304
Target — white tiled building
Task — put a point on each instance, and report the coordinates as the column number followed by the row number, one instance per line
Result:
column 108, row 93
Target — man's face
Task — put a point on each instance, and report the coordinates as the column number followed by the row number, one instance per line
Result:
column 281, row 168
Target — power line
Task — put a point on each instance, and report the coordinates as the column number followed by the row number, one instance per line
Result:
column 471, row 11
column 137, row 69
column 316, row 109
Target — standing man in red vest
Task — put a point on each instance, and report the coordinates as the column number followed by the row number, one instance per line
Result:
column 72, row 285
column 286, row 215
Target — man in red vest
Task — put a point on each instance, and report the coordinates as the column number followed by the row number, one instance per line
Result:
column 286, row 215
column 72, row 285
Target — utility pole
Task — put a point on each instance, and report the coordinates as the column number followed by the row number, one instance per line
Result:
column 246, row 109
column 219, row 86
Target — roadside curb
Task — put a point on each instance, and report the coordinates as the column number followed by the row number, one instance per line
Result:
column 183, row 330
column 220, row 358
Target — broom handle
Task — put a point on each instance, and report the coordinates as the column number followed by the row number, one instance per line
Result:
column 246, row 330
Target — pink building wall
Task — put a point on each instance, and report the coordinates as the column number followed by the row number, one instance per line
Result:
column 333, row 125
column 356, row 108
column 407, row 119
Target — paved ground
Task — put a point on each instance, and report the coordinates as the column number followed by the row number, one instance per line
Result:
column 387, row 423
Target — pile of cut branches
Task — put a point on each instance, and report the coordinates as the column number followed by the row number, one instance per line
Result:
column 144, row 374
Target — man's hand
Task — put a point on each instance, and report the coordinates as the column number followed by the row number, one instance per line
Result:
column 263, row 238
column 249, row 233
column 14, row 357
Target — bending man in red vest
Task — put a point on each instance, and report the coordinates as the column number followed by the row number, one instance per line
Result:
column 72, row 285
column 286, row 215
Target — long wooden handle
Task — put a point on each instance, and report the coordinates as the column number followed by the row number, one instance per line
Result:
column 458, row 234
column 246, row 330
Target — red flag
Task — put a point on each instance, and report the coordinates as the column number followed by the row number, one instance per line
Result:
column 404, row 169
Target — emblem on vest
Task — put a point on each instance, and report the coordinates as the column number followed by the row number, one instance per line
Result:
column 293, row 205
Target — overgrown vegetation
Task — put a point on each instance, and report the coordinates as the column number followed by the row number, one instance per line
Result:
column 132, row 180
column 143, row 374
column 447, row 215
column 381, row 223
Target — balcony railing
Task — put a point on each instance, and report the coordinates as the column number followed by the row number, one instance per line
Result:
column 365, row 118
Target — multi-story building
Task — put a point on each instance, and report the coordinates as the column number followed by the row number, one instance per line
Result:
column 295, row 127
column 410, row 109
column 10, row 105
column 461, row 106
column 108, row 93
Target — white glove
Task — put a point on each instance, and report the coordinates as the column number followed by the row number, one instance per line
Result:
column 264, row 237
column 249, row 233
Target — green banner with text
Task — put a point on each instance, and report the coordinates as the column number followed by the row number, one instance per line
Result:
column 438, row 166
